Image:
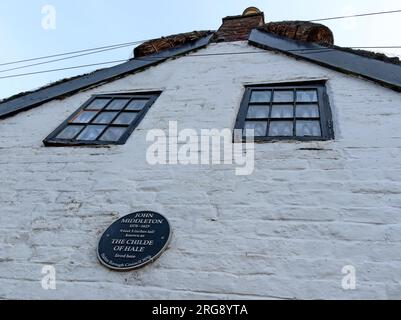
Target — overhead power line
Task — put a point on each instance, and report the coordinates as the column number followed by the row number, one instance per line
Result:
column 305, row 51
column 141, row 41
column 196, row 55
column 62, row 59
column 357, row 15
column 85, row 52
column 61, row 69
column 72, row 52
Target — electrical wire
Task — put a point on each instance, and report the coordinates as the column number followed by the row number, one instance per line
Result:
column 141, row 41
column 61, row 69
column 357, row 15
column 62, row 59
column 90, row 51
column 304, row 51
column 72, row 52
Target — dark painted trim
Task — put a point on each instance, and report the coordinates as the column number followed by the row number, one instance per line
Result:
column 46, row 94
column 52, row 141
column 325, row 118
column 259, row 14
column 386, row 74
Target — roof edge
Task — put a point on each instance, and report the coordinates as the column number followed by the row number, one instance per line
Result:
column 345, row 61
column 26, row 101
column 244, row 16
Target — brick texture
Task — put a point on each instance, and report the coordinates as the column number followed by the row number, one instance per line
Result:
column 238, row 28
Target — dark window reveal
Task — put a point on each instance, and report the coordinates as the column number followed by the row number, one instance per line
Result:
column 103, row 120
column 286, row 112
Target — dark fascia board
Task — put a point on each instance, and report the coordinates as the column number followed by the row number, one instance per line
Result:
column 386, row 74
column 68, row 87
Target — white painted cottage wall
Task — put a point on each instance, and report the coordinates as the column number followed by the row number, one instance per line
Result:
column 284, row 232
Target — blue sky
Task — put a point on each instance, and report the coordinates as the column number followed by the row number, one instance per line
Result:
column 82, row 24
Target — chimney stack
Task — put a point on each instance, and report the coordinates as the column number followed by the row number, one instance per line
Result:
column 238, row 28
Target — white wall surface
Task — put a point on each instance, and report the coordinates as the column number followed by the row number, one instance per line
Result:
column 284, row 232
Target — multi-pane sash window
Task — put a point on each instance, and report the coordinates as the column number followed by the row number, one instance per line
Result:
column 286, row 112
column 103, row 120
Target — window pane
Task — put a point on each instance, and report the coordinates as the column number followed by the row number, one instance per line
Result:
column 98, row 104
column 70, row 132
column 283, row 111
column 307, row 96
column 137, row 105
column 113, row 134
column 91, row 133
column 283, row 96
column 117, row 104
column 259, row 128
column 125, row 118
column 281, row 129
column 260, row 96
column 256, row 112
column 308, row 111
column 105, row 117
column 84, row 117
column 308, row 129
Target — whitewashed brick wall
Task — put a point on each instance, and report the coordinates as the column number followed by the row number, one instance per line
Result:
column 284, row 232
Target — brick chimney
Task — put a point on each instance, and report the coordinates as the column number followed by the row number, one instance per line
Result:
column 238, row 28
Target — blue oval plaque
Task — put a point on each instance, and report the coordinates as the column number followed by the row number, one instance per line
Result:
column 134, row 241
